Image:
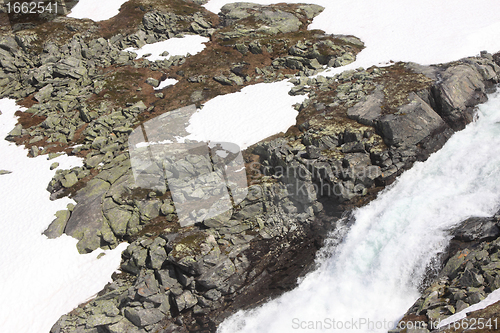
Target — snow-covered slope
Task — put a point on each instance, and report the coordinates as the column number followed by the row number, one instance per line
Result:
column 41, row 278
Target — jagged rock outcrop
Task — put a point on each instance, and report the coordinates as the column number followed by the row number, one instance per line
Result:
column 179, row 270
column 469, row 274
column 267, row 20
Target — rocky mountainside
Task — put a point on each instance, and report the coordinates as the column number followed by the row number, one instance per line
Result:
column 355, row 133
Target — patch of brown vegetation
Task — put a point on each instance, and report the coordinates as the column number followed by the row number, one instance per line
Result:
column 70, row 192
column 399, row 81
column 28, row 120
column 330, row 116
column 28, row 101
column 78, row 137
column 132, row 12
column 214, row 60
column 126, row 84
column 156, row 227
column 59, row 31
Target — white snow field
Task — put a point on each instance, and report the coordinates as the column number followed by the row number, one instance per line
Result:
column 96, row 10
column 40, row 278
column 191, row 44
column 166, row 83
column 246, row 117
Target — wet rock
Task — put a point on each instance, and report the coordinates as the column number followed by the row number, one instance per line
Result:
column 470, row 278
column 453, row 265
column 462, row 86
column 476, row 228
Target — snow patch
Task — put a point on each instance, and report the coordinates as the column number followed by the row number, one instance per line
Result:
column 246, row 117
column 96, row 10
column 166, row 83
column 190, row 44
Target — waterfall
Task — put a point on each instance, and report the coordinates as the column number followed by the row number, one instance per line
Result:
column 367, row 283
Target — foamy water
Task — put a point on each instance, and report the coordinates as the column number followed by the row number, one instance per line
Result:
column 371, row 279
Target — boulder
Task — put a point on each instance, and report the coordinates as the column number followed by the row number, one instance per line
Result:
column 186, row 300
column 368, row 110
column 477, row 228
column 410, row 124
column 44, row 94
column 471, row 278
column 233, row 12
column 278, row 21
column 143, row 317
column 56, row 228
column 118, row 220
column 266, row 19
column 86, row 220
column 217, row 276
column 70, row 67
column 311, row 11
column 101, row 320
column 153, row 82
column 69, row 180
column 461, row 88
column 123, row 326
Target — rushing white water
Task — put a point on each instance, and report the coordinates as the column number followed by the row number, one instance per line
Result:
column 371, row 279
